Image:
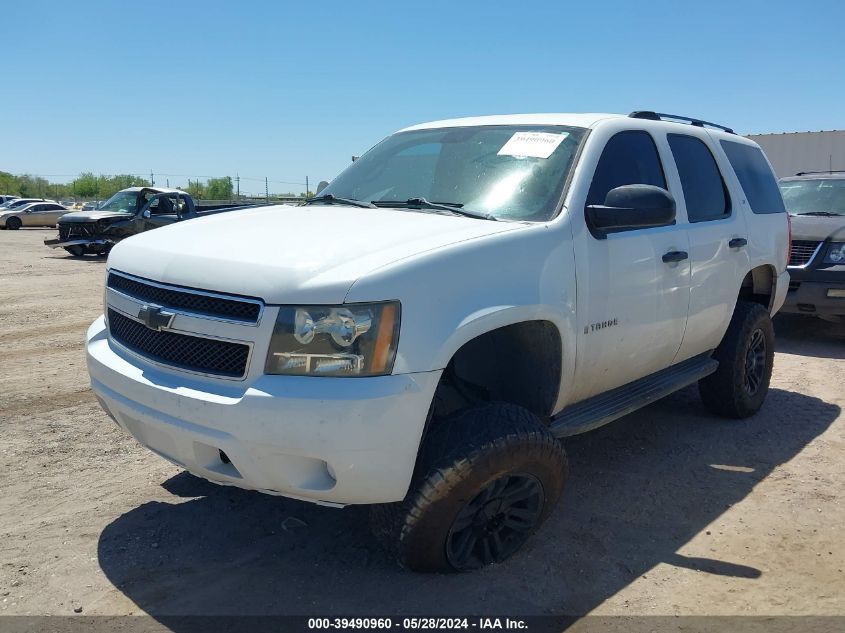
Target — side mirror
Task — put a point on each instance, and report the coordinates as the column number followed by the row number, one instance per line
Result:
column 323, row 184
column 146, row 213
column 632, row 207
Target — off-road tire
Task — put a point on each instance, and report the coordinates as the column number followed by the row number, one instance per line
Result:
column 13, row 223
column 476, row 452
column 727, row 392
column 76, row 250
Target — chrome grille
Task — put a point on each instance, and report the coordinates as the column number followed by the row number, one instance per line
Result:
column 193, row 353
column 245, row 310
column 802, row 252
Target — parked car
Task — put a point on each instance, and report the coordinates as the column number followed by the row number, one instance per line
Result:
column 31, row 214
column 18, row 202
column 420, row 335
column 4, row 199
column 816, row 204
column 128, row 212
column 89, row 206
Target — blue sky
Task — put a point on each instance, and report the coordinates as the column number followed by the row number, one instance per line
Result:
column 285, row 90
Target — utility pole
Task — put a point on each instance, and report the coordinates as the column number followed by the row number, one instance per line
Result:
column 238, row 180
column 152, row 179
column 266, row 189
column 168, row 182
column 306, row 187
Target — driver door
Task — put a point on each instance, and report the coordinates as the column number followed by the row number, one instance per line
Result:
column 632, row 305
column 34, row 215
column 160, row 211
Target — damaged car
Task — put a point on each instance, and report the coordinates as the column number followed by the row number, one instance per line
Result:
column 128, row 212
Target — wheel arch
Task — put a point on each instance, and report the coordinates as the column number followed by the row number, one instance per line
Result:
column 759, row 286
column 510, row 356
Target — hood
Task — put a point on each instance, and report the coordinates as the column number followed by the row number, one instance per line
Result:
column 818, row 228
column 286, row 254
column 93, row 216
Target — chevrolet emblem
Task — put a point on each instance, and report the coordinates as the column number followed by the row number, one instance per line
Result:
column 155, row 318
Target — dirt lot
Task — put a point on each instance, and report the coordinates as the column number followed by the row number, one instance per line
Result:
column 669, row 511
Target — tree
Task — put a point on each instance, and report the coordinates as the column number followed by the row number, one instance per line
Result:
column 219, row 188
column 85, row 186
column 196, row 189
column 8, row 183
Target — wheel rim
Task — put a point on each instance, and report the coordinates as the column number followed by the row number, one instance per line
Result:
column 755, row 362
column 495, row 522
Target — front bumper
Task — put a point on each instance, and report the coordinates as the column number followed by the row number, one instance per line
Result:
column 809, row 290
column 330, row 440
column 59, row 243
column 814, row 297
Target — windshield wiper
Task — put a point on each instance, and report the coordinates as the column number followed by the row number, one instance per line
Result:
column 827, row 214
column 331, row 199
column 422, row 203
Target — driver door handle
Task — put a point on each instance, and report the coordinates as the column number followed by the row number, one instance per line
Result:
column 738, row 242
column 675, row 256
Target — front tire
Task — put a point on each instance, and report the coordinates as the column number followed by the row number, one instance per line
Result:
column 487, row 479
column 746, row 356
column 13, row 224
column 76, row 250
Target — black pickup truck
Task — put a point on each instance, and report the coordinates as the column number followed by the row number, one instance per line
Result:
column 816, row 205
column 126, row 213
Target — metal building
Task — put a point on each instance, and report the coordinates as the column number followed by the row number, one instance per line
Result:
column 792, row 152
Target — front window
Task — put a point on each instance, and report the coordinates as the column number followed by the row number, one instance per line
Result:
column 506, row 171
column 121, row 202
column 823, row 196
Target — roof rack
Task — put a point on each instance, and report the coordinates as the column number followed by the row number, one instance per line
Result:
column 829, row 171
column 660, row 116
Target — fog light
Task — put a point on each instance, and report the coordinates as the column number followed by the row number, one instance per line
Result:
column 838, row 293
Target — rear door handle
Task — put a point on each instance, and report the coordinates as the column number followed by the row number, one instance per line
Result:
column 675, row 256
column 738, row 242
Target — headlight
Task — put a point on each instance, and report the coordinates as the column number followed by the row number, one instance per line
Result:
column 357, row 339
column 835, row 253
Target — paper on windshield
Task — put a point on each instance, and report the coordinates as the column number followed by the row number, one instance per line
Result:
column 532, row 144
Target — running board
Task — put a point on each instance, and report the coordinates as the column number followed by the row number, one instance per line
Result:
column 599, row 410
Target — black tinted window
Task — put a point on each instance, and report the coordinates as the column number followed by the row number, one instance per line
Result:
column 701, row 181
column 629, row 158
column 755, row 176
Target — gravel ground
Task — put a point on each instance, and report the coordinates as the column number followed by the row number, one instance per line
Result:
column 668, row 511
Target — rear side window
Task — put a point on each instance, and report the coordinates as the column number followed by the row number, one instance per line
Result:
column 629, row 158
column 755, row 176
column 704, row 190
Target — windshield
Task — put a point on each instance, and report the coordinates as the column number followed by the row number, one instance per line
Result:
column 825, row 195
column 507, row 171
column 121, row 202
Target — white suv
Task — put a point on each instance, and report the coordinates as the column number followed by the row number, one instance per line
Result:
column 420, row 335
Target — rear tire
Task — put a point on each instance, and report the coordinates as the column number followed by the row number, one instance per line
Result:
column 746, row 355
column 13, row 224
column 487, row 479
